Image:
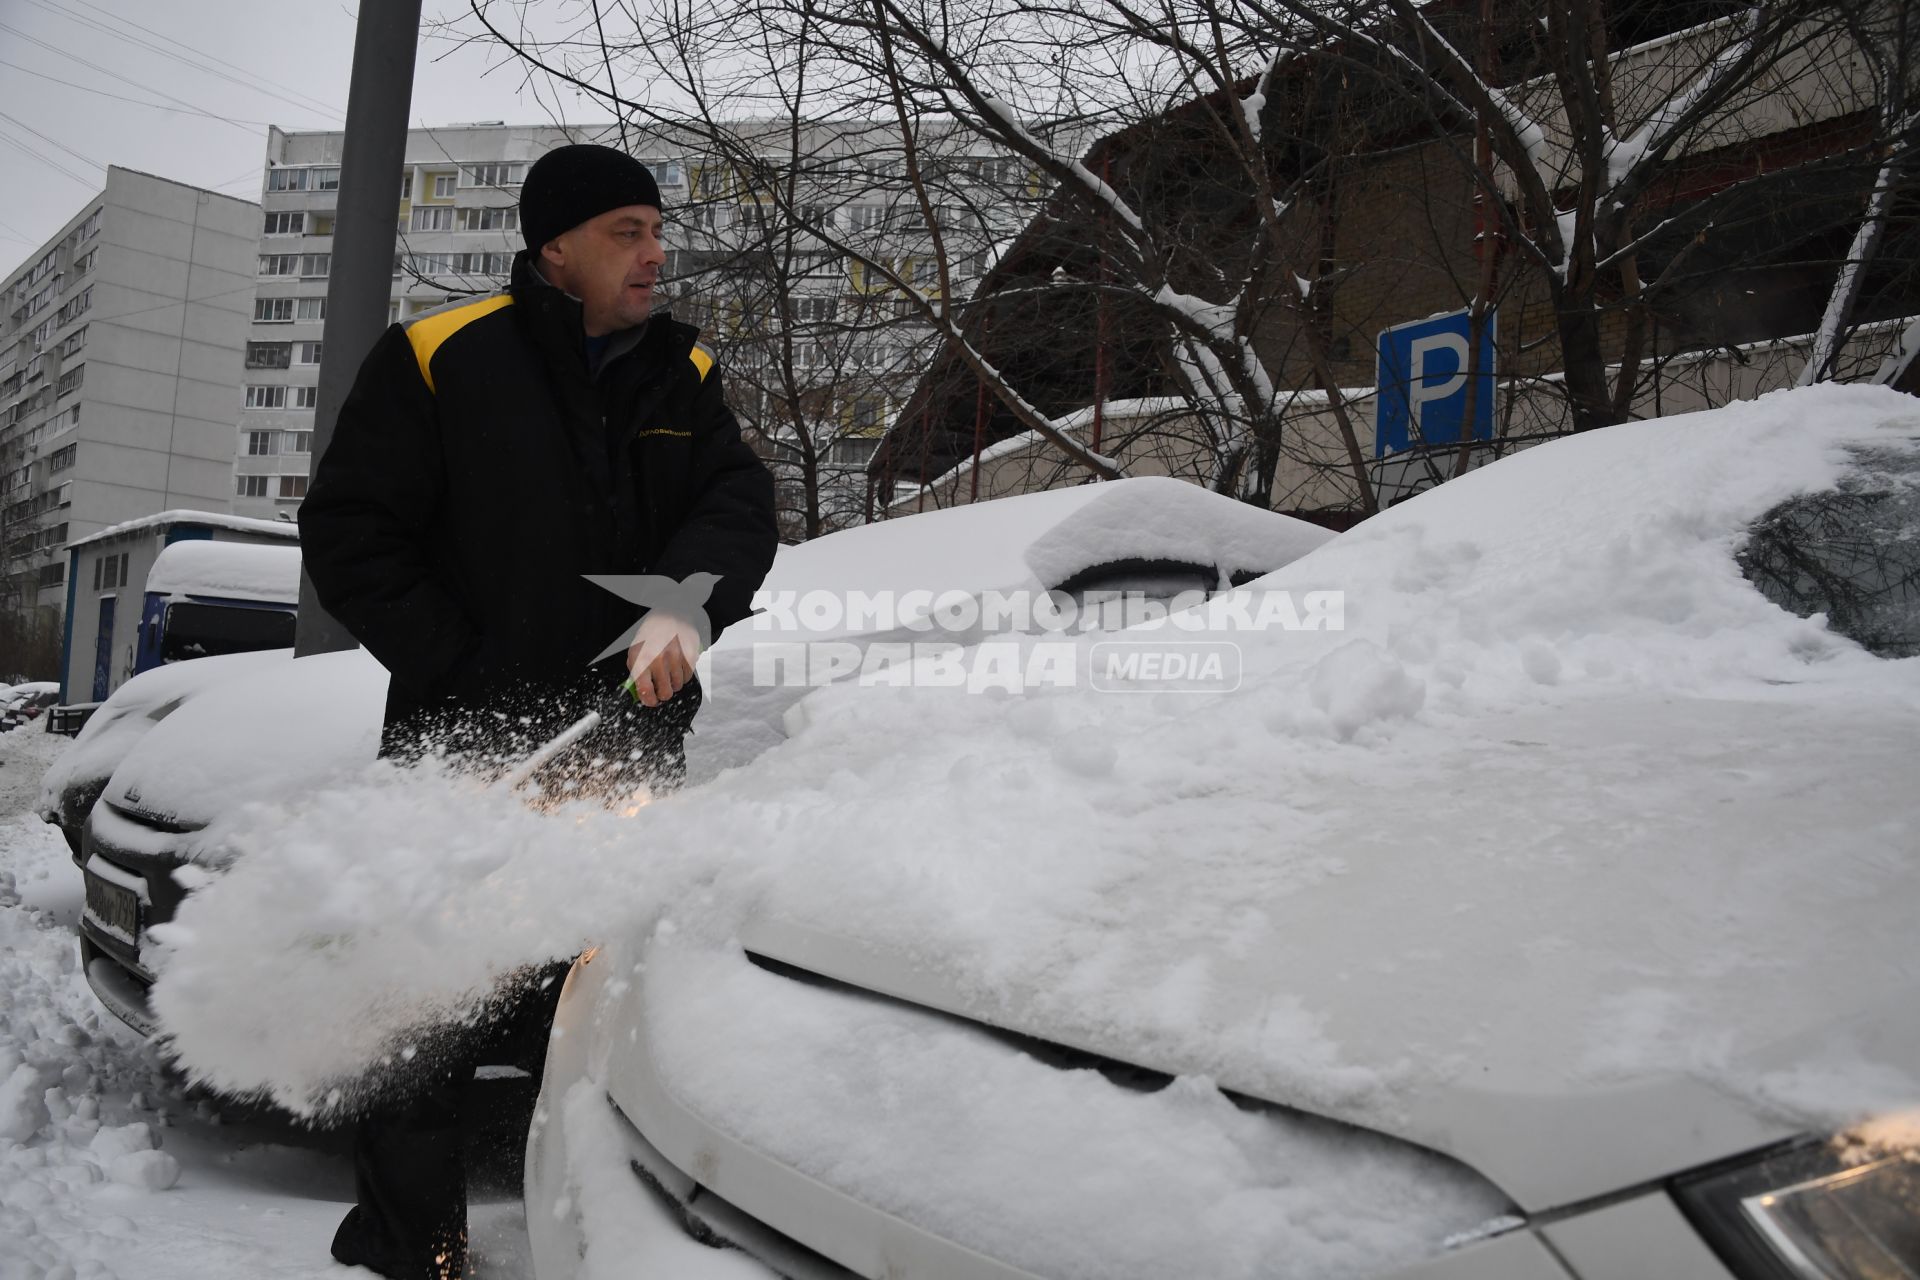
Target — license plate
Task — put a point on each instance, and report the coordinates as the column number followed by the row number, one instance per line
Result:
column 114, row 907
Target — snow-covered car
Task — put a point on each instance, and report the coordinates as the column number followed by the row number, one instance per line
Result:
column 284, row 725
column 1551, row 919
column 273, row 725
column 26, row 702
column 72, row 784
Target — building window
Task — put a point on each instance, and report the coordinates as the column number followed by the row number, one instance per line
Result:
column 288, row 179
column 74, row 342
column 269, row 355
column 444, row 184
column 315, row 266
column 852, row 453
column 70, row 381
column 279, row 264
column 293, row 486
column 273, row 310
column 286, row 224
column 406, row 185
column 266, row 397
column 75, row 307
column 311, row 309
column 492, row 175
column 432, row 218
column 322, row 225
column 489, row 219
column 53, row 575
column 306, row 353
column 262, row 444
column 110, row 572
column 84, row 263
column 668, row 173
column 326, row 179
column 61, row 459
column 306, row 397
column 251, row 486
column 817, row 308
column 482, row 264
column 296, row 442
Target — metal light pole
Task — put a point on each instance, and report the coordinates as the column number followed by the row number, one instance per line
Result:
column 361, row 282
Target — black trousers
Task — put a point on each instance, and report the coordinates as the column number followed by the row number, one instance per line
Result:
column 409, row 1221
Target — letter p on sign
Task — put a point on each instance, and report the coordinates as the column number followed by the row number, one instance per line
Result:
column 1423, row 383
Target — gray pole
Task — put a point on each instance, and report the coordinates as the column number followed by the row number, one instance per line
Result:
column 361, row 283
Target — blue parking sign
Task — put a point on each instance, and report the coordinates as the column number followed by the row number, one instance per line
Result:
column 1423, row 383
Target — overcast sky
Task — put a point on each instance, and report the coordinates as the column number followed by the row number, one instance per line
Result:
column 67, row 68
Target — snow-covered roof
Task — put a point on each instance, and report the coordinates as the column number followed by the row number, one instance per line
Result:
column 180, row 515
column 231, row 570
column 1075, row 423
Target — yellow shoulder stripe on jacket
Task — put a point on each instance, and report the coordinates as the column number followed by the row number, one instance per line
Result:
column 427, row 333
column 702, row 360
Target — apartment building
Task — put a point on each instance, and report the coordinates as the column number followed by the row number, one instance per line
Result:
column 458, row 229
column 120, row 373
column 813, row 340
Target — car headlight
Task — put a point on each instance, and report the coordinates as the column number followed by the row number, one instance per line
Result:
column 1847, row 1208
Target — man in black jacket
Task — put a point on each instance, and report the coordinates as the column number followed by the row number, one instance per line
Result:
column 492, row 453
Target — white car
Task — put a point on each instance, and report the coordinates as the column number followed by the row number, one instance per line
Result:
column 1554, row 918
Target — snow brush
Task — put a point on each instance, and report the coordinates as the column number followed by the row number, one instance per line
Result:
column 579, row 729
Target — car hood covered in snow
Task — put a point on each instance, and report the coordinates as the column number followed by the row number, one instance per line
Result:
column 1572, row 856
column 1591, row 949
column 268, row 729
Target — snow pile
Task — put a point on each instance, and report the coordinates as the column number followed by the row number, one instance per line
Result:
column 230, row 570
column 73, row 1116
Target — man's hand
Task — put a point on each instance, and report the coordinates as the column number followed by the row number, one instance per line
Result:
column 661, row 657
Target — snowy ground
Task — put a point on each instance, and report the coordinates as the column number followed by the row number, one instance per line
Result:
column 108, row 1167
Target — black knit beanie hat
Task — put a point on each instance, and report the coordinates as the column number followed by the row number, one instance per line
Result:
column 571, row 184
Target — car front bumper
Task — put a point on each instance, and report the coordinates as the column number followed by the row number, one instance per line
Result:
column 137, row 858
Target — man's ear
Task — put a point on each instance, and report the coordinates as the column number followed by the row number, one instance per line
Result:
column 553, row 253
